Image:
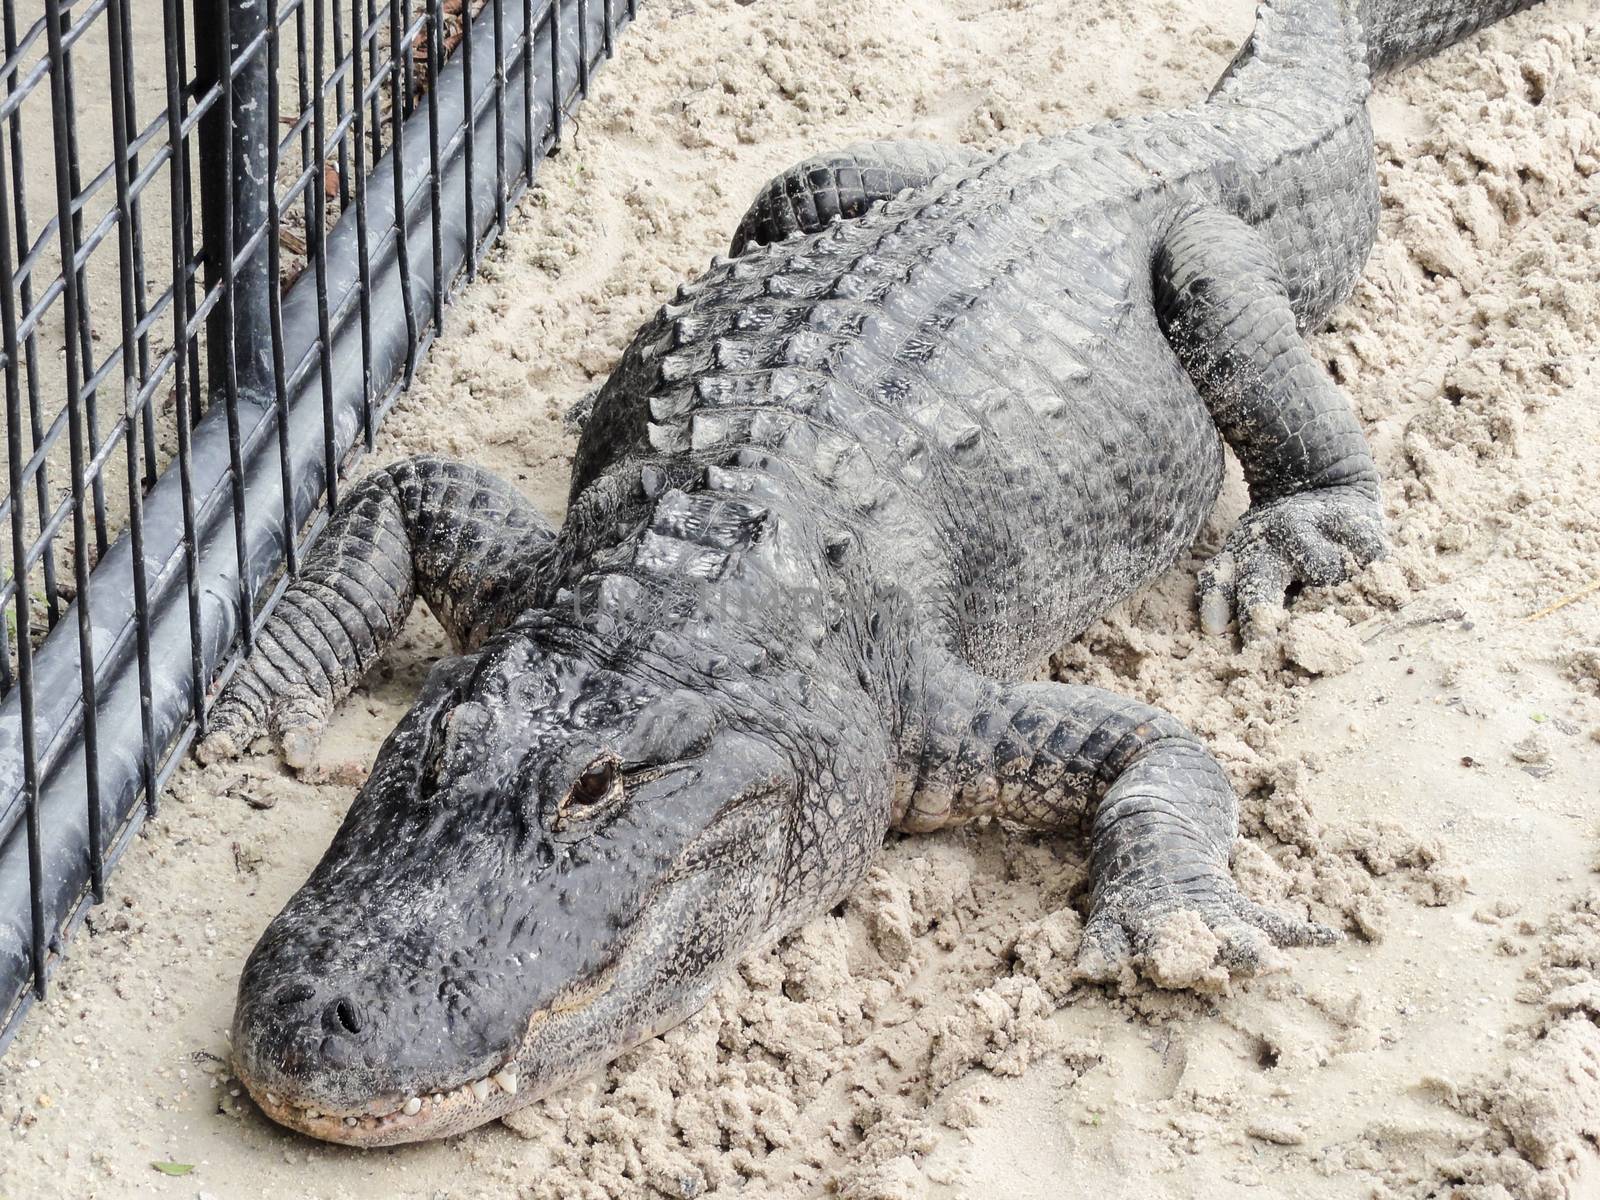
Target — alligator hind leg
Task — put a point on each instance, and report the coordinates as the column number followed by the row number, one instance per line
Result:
column 1315, row 514
column 842, row 186
column 1161, row 814
column 465, row 541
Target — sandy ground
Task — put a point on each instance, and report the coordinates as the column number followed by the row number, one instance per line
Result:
column 1417, row 750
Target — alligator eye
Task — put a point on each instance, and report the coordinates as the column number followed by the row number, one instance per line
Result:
column 594, row 785
column 593, row 788
column 433, row 765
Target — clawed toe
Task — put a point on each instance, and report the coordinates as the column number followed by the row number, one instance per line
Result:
column 1287, row 931
column 299, row 744
column 216, row 747
column 1193, row 942
column 1105, row 955
column 1317, row 538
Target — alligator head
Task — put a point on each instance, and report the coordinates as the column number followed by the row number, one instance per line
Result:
column 552, row 860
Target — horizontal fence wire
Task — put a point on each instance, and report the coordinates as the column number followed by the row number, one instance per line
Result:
column 214, row 282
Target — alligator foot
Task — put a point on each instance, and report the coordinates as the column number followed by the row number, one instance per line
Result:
column 1198, row 935
column 467, row 543
column 1319, row 538
column 1163, row 818
column 1233, row 322
column 260, row 702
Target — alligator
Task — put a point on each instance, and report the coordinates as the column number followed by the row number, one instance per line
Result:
column 835, row 507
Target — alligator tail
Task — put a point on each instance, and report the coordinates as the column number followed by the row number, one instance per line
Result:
column 1401, row 31
column 1302, row 36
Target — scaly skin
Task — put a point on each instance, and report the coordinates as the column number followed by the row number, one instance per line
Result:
column 836, row 503
column 843, row 186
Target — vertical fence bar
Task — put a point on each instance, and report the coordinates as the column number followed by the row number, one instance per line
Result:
column 185, row 365
column 135, row 214
column 302, row 18
column 61, row 109
column 399, row 77
column 280, row 366
column 556, row 114
column 498, row 10
column 317, row 242
column 374, row 61
column 527, row 88
column 583, row 48
column 174, row 28
column 7, row 676
column 363, row 248
column 84, row 322
column 409, row 91
column 435, row 198
column 469, row 142
column 339, row 109
column 128, row 274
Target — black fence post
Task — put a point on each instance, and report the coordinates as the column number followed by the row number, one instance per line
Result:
column 233, row 193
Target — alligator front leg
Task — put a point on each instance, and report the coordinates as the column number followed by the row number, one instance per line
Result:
column 465, row 541
column 1161, row 814
column 1315, row 512
column 812, row 194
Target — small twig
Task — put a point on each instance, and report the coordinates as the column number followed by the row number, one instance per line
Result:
column 1564, row 601
column 1438, row 618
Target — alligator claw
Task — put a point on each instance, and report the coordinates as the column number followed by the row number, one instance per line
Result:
column 1318, row 538
column 216, row 747
column 231, row 725
column 1186, row 940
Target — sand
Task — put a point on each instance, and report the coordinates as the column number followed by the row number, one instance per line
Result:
column 1417, row 750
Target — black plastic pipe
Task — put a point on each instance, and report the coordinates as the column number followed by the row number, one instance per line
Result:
column 59, row 711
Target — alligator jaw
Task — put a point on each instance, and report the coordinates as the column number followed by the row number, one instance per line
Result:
column 395, row 1121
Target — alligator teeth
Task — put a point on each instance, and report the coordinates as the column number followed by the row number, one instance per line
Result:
column 480, row 1089
column 413, row 1106
column 438, row 1098
column 507, row 1079
column 312, row 1114
column 350, row 1121
column 271, row 1099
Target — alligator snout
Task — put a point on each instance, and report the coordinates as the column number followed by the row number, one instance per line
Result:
column 358, row 1026
column 371, row 1042
column 314, row 1043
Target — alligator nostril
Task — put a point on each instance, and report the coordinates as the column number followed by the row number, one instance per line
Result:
column 295, row 993
column 347, row 1015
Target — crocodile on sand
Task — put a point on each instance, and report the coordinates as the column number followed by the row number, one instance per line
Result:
column 836, row 506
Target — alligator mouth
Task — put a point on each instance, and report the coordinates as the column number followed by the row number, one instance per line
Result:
column 387, row 1123
column 395, row 1119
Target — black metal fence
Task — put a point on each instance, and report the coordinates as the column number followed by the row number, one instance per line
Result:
column 226, row 235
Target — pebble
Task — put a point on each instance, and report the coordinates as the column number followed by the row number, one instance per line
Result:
column 1280, row 1131
column 1532, row 749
